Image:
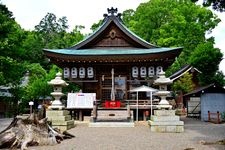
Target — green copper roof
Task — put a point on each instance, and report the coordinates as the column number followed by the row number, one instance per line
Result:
column 112, row 51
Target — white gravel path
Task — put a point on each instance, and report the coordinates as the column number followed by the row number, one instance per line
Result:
column 141, row 138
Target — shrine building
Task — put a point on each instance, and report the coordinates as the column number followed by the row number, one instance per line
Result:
column 112, row 52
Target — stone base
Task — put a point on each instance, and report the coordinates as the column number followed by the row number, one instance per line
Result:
column 113, row 116
column 60, row 119
column 166, row 121
column 166, row 127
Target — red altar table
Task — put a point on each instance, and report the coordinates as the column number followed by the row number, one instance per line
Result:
column 112, row 104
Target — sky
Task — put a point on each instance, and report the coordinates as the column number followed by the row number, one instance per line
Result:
column 29, row 13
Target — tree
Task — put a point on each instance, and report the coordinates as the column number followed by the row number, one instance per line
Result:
column 95, row 26
column 11, row 68
column 54, row 33
column 184, row 84
column 127, row 17
column 206, row 58
column 172, row 23
column 218, row 5
column 52, row 30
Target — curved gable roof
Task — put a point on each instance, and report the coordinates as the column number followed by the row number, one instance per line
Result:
column 112, row 19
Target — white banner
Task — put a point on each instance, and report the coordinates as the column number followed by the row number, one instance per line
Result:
column 80, row 100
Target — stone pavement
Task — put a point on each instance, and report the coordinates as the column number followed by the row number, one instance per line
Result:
column 141, row 138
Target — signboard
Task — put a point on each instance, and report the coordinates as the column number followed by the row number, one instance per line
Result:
column 80, row 100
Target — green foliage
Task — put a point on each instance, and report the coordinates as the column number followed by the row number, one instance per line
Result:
column 219, row 79
column 127, row 17
column 11, row 68
column 95, row 26
column 74, row 36
column 22, row 51
column 206, row 58
column 223, row 115
column 172, row 23
column 11, row 71
column 218, row 5
column 53, row 32
column 184, row 84
column 38, row 82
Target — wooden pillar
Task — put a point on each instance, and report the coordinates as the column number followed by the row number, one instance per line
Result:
column 209, row 119
column 218, row 117
column 144, row 116
column 128, row 112
column 80, row 115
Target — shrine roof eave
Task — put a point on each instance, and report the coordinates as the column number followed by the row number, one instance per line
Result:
column 112, row 51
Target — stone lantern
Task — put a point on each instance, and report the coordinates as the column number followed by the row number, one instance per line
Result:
column 164, row 119
column 57, row 84
column 56, row 113
column 162, row 82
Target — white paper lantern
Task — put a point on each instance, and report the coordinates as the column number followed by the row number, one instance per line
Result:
column 159, row 69
column 74, row 72
column 66, row 72
column 135, row 72
column 151, row 71
column 90, row 72
column 143, row 72
column 82, row 72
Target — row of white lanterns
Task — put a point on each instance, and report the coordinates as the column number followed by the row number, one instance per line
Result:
column 144, row 72
column 74, row 72
column 152, row 71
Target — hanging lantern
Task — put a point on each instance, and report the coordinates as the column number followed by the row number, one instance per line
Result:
column 82, row 72
column 66, row 72
column 74, row 72
column 135, row 72
column 90, row 72
column 143, row 72
column 151, row 71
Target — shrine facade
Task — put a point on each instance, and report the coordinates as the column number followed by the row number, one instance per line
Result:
column 112, row 52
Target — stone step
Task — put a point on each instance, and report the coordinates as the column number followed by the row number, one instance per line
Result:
column 112, row 113
column 166, row 123
column 173, row 129
column 164, row 112
column 61, row 118
column 113, row 116
column 62, row 123
column 165, row 118
column 111, row 124
column 57, row 112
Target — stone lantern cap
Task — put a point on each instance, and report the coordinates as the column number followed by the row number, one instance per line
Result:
column 58, row 80
column 162, row 80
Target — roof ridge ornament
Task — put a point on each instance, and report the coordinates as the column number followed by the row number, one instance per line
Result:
column 112, row 11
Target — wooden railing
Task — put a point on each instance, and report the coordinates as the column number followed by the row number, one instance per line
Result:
column 214, row 117
column 142, row 102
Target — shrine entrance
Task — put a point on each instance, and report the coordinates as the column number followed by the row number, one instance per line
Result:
column 119, row 88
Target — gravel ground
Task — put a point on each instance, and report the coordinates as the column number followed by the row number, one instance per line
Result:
column 141, row 138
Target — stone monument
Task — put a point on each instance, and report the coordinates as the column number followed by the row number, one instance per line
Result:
column 59, row 117
column 164, row 119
